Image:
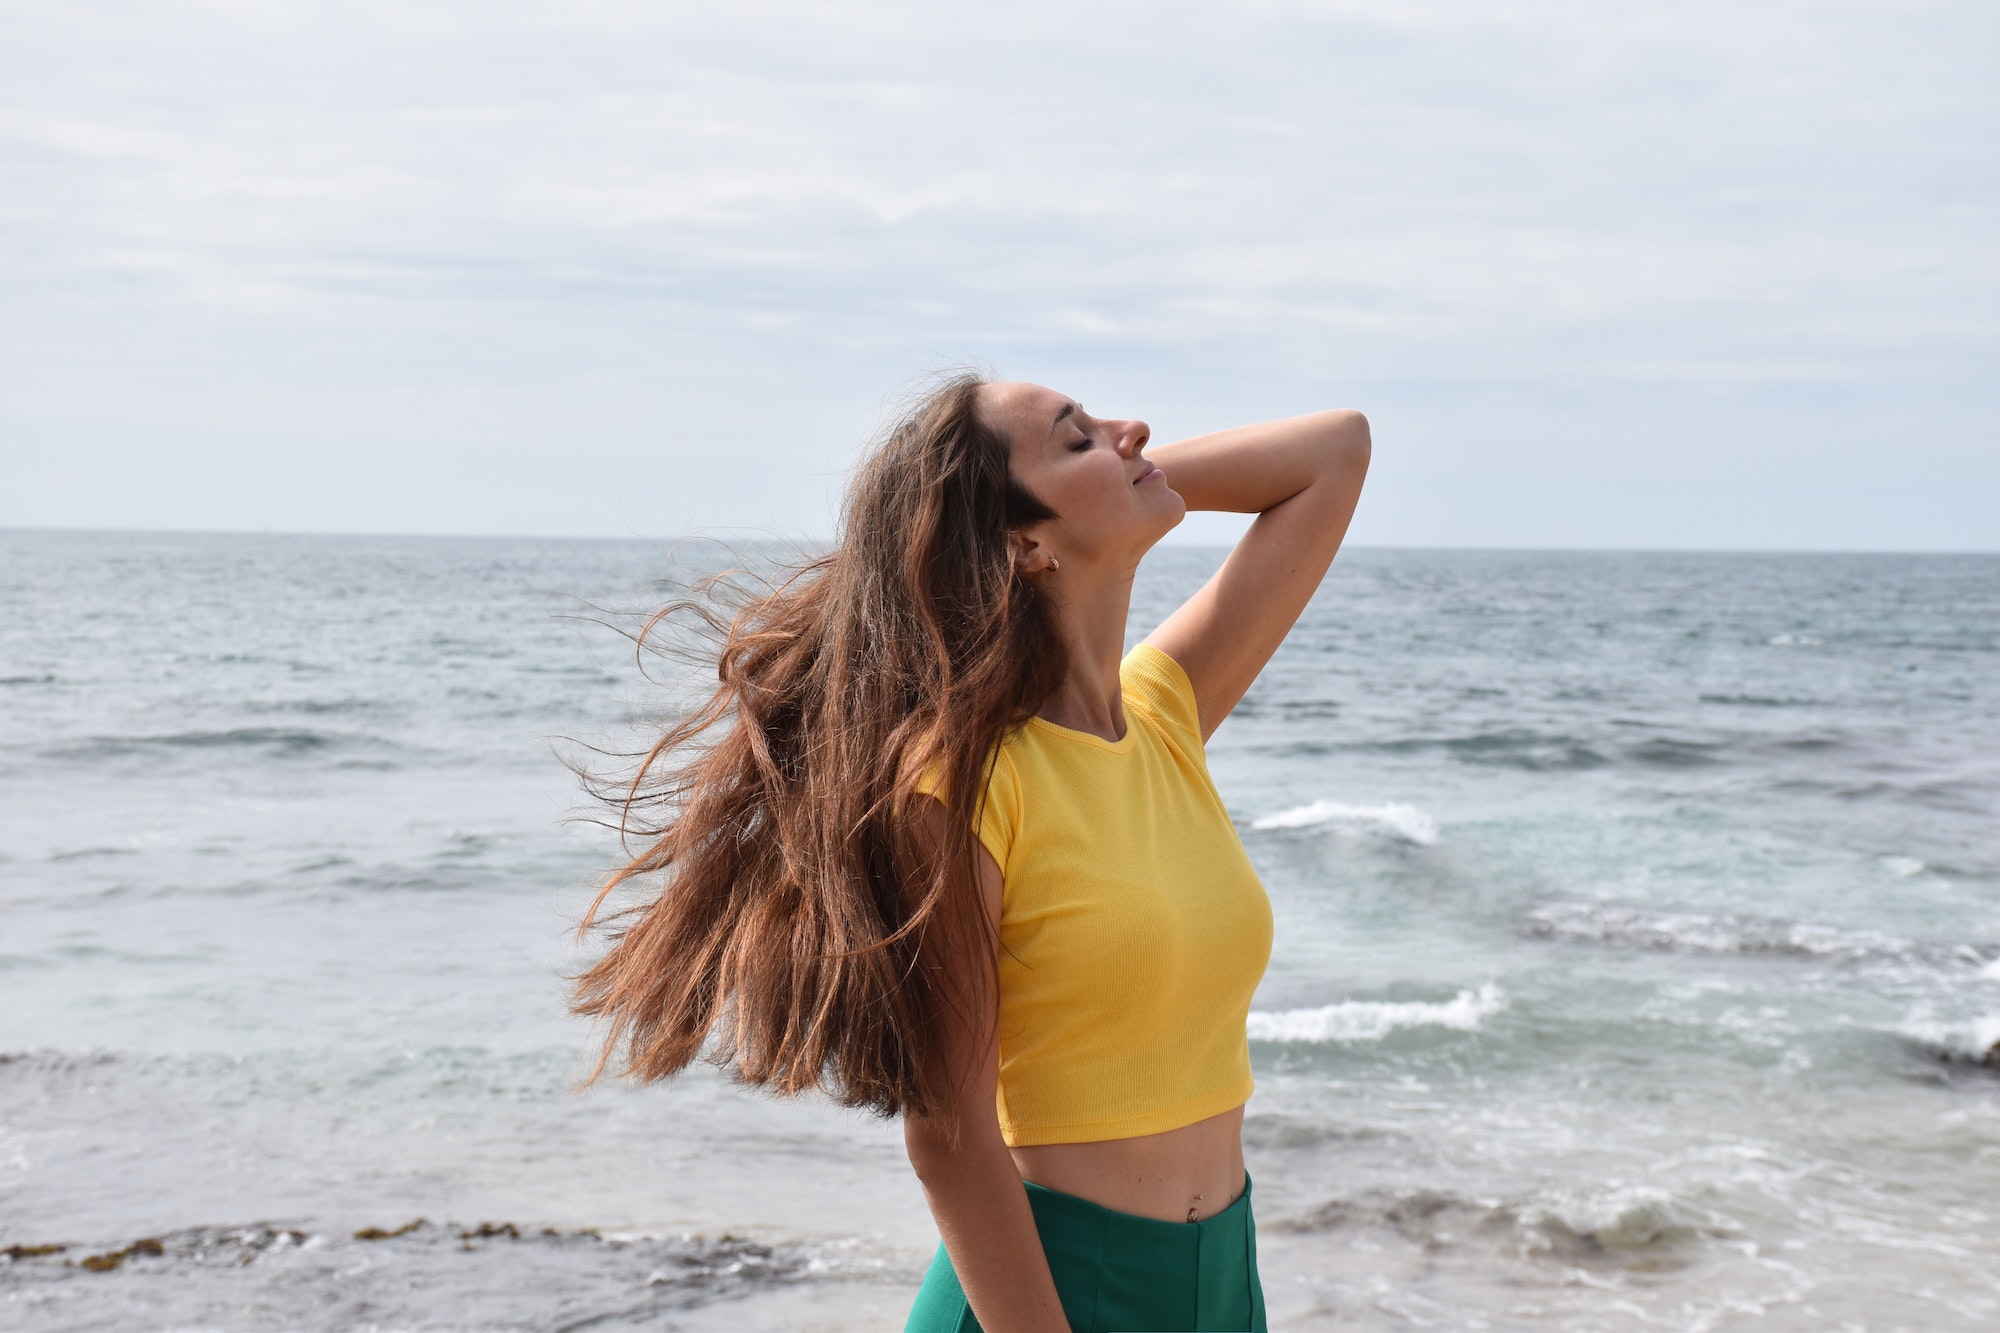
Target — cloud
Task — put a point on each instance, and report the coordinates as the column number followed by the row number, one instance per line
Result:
column 515, row 224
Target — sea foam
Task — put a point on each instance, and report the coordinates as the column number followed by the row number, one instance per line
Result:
column 1393, row 820
column 1372, row 1020
column 1621, row 925
column 1974, row 1041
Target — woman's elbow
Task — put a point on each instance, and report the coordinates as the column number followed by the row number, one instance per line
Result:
column 942, row 1154
column 933, row 1150
column 1346, row 442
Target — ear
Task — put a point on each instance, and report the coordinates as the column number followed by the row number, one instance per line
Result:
column 1031, row 557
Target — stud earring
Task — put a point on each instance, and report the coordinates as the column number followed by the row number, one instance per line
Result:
column 1054, row 564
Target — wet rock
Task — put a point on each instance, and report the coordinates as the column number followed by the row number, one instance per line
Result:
column 33, row 1251
column 543, row 1277
column 110, row 1259
column 485, row 1229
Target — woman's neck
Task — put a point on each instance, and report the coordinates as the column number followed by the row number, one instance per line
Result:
column 1090, row 614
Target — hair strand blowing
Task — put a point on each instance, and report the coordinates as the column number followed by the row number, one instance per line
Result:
column 785, row 919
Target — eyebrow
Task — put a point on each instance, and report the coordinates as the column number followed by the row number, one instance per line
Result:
column 1062, row 415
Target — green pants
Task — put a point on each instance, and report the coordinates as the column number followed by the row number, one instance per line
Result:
column 1117, row 1273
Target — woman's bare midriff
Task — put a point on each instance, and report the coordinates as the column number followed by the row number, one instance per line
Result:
column 1183, row 1175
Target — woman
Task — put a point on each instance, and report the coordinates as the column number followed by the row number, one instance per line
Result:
column 938, row 847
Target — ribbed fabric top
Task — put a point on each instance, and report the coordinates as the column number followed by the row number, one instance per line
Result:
column 1133, row 930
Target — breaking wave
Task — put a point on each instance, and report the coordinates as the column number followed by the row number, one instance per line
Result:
column 1372, row 1020
column 1392, row 819
column 1515, row 747
column 1976, row 1042
column 1626, row 927
column 1627, row 1227
column 287, row 741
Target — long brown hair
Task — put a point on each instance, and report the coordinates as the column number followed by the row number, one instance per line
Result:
column 787, row 915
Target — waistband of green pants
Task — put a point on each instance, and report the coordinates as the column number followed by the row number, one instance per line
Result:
column 1119, row 1271
column 1128, row 1233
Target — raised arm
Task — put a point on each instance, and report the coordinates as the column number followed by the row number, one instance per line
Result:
column 1302, row 477
column 973, row 1186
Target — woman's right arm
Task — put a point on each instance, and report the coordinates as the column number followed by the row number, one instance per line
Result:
column 972, row 1184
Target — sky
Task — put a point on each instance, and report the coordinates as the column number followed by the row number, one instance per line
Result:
column 1601, row 274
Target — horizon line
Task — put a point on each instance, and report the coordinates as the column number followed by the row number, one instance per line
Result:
column 747, row 535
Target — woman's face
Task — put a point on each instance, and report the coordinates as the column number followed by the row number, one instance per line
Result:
column 1110, row 502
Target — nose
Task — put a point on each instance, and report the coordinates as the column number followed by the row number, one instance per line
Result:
column 1131, row 437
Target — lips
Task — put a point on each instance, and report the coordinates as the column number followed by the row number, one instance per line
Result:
column 1150, row 473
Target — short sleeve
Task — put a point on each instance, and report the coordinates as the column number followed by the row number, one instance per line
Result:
column 1157, row 684
column 999, row 812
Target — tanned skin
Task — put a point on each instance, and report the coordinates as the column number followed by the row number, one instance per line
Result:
column 1115, row 497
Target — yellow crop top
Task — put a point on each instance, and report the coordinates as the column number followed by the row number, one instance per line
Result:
column 1132, row 927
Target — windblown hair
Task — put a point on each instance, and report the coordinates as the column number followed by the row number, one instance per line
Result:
column 788, row 920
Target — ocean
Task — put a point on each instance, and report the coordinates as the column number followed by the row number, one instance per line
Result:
column 1638, row 952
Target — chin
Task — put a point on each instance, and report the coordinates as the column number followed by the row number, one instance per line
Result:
column 1169, row 520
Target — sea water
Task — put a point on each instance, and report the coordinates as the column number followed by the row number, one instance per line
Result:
column 1638, row 950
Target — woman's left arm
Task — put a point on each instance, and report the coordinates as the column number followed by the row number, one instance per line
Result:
column 1302, row 478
